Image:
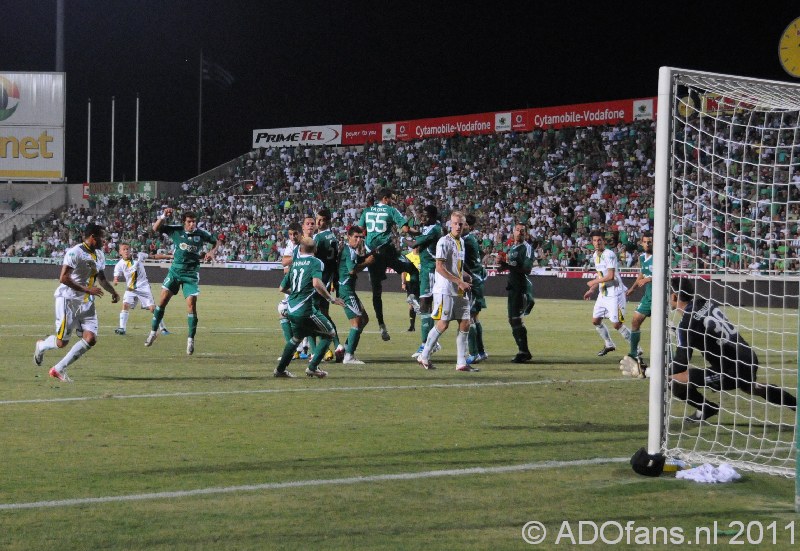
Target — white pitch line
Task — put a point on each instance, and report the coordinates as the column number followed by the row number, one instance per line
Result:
column 318, row 482
column 292, row 390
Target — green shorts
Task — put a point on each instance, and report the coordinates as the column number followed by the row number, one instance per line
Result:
column 426, row 282
column 645, row 306
column 353, row 307
column 478, row 301
column 315, row 324
column 190, row 282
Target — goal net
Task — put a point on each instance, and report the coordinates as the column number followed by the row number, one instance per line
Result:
column 727, row 217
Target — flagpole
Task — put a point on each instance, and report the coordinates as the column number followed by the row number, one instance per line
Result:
column 200, row 117
column 89, row 144
column 113, row 99
column 136, row 172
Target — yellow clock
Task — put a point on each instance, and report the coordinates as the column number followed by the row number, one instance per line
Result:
column 789, row 48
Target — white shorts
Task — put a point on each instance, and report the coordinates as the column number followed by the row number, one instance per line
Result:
column 72, row 315
column 611, row 308
column 144, row 296
column 447, row 307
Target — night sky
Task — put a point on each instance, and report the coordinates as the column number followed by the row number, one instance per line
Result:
column 314, row 63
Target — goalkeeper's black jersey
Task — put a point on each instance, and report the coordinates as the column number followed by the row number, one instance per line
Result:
column 704, row 327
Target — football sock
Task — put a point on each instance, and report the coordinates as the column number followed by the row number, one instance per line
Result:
column 520, row 333
column 191, row 319
column 286, row 329
column 312, row 343
column 433, row 338
column 479, row 337
column 473, row 340
column 335, row 339
column 603, row 332
column 625, row 332
column 634, row 351
column 162, row 326
column 377, row 304
column 287, row 354
column 158, row 315
column 322, row 345
column 352, row 340
column 49, row 343
column 123, row 319
column 461, row 347
column 74, row 353
column 425, row 325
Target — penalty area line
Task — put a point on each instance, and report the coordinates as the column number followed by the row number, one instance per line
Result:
column 312, row 483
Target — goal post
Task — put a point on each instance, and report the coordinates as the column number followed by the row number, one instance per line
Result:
column 727, row 216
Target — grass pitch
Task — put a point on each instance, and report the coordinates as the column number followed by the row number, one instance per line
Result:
column 152, row 449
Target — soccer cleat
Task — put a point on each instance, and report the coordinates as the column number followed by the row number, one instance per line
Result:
column 283, row 374
column 474, row 359
column 350, row 359
column 61, row 376
column 483, row 356
column 119, row 331
column 425, row 364
column 410, row 329
column 418, row 352
column 706, row 413
column 165, row 332
column 151, row 338
column 606, row 350
column 38, row 353
column 328, row 356
column 316, row 373
column 304, row 356
column 339, row 353
column 413, row 302
column 190, row 346
column 521, row 358
column 385, row 333
column 295, row 356
column 468, row 368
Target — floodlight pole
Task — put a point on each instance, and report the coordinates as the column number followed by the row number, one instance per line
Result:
column 89, row 143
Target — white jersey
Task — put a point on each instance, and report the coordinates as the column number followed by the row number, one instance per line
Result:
column 133, row 272
column 603, row 262
column 450, row 250
column 85, row 264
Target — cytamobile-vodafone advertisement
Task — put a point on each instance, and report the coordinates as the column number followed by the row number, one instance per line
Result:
column 519, row 120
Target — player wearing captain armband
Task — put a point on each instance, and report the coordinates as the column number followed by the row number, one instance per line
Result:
column 75, row 301
column 184, row 272
column 130, row 268
column 450, row 295
column 731, row 361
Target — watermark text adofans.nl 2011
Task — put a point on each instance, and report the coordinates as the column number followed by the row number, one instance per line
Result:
column 589, row 532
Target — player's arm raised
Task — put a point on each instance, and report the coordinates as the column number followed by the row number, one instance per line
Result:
column 160, row 220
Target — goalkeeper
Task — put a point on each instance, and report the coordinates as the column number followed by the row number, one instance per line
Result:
column 732, row 363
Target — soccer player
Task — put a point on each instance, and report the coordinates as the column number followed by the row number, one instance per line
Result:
column 295, row 234
column 519, row 261
column 427, row 241
column 379, row 220
column 75, row 300
column 410, row 284
column 184, row 271
column 473, row 265
column 327, row 251
column 610, row 302
column 450, row 295
column 137, row 285
column 731, row 362
column 350, row 265
column 302, row 281
column 643, row 279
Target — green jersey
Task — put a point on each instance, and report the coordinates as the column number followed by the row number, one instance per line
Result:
column 379, row 220
column 328, row 252
column 299, row 281
column 473, row 263
column 646, row 268
column 347, row 276
column 188, row 247
column 520, row 255
column 426, row 242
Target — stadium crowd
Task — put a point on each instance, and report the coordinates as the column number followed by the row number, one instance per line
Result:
column 561, row 183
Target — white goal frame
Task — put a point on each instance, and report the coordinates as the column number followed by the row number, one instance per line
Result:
column 660, row 340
